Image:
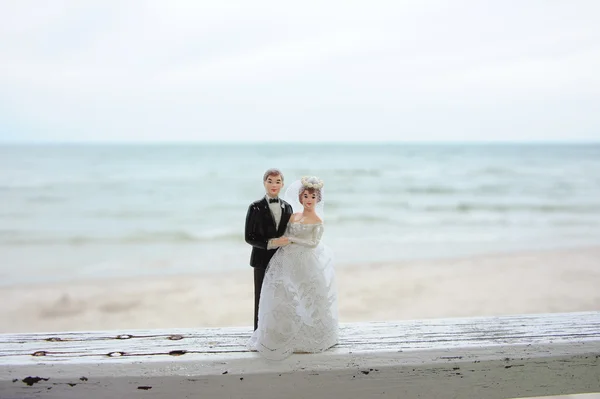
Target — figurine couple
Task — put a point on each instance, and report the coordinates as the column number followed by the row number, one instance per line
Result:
column 295, row 297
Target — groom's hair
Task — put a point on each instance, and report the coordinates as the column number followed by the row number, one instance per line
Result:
column 272, row 172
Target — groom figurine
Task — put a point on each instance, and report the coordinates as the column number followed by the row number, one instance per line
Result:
column 266, row 222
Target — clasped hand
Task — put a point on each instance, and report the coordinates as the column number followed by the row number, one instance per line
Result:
column 281, row 241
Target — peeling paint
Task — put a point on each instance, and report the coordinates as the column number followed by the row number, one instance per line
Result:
column 33, row 380
column 553, row 360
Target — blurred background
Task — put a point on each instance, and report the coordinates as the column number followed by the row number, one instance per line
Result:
column 83, row 211
column 134, row 135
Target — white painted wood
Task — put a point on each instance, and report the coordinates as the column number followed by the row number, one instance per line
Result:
column 484, row 357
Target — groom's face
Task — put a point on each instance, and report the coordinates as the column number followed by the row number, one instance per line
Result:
column 273, row 185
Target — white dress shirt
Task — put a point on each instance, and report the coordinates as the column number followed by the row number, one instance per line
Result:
column 275, row 210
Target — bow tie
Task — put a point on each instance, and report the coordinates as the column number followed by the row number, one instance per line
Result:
column 271, row 200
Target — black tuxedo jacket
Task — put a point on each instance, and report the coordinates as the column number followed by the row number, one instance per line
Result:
column 260, row 228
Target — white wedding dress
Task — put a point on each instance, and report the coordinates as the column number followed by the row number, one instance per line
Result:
column 298, row 302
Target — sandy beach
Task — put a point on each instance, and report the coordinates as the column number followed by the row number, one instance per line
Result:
column 528, row 282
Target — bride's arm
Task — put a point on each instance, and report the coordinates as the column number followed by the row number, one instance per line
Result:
column 282, row 241
column 317, row 233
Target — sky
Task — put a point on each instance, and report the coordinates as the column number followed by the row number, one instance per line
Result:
column 252, row 71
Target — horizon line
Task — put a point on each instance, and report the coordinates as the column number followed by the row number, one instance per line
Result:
column 279, row 142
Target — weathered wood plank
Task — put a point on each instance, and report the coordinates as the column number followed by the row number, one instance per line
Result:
column 484, row 357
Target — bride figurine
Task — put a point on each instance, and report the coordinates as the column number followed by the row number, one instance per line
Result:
column 298, row 304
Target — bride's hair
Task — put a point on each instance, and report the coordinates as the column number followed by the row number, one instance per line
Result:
column 313, row 185
column 310, row 191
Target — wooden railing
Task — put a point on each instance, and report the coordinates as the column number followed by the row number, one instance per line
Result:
column 483, row 357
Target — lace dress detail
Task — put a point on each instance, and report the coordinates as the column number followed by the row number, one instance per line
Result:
column 298, row 302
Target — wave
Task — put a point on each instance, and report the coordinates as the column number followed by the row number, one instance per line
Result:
column 437, row 190
column 338, row 219
column 356, row 172
column 434, row 190
column 458, row 219
column 183, row 236
column 172, row 237
column 497, row 171
column 431, row 190
column 130, row 214
column 45, row 199
column 464, row 207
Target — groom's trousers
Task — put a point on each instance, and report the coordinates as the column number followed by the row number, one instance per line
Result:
column 259, row 276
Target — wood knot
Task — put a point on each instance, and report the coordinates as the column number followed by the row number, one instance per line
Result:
column 39, row 353
column 177, row 353
column 124, row 336
column 115, row 354
column 54, row 339
column 176, row 337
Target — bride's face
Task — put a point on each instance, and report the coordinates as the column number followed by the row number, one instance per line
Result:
column 308, row 199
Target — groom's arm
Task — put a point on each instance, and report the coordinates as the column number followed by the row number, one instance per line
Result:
column 253, row 234
column 253, row 231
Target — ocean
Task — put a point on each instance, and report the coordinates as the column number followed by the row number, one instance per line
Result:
column 83, row 211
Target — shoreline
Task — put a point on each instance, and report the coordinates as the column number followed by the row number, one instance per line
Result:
column 409, row 261
column 561, row 280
